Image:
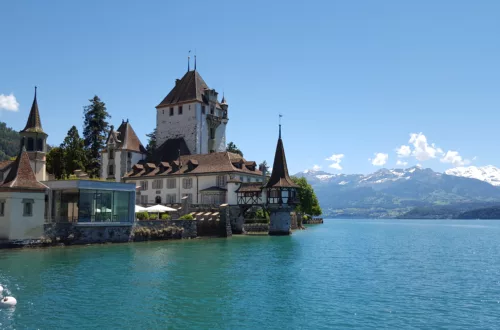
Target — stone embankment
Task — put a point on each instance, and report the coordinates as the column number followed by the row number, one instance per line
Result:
column 313, row 221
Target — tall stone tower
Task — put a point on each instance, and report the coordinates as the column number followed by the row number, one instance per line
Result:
column 34, row 139
column 281, row 194
column 191, row 112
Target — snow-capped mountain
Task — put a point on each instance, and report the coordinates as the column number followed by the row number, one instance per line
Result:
column 490, row 173
column 392, row 192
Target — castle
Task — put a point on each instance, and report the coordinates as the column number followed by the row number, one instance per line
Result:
column 191, row 158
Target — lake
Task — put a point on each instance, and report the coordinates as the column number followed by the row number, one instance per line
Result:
column 345, row 274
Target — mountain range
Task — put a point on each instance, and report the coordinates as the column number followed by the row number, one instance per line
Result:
column 414, row 192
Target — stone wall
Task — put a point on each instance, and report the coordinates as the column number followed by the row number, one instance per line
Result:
column 313, row 221
column 68, row 233
column 256, row 228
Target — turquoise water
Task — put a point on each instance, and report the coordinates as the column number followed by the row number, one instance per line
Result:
column 342, row 274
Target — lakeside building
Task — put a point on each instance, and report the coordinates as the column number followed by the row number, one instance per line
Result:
column 191, row 158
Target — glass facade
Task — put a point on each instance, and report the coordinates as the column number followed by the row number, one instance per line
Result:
column 88, row 205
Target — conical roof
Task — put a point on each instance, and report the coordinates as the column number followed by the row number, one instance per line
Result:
column 279, row 176
column 21, row 175
column 34, row 124
column 128, row 138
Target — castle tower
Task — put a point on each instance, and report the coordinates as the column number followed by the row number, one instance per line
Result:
column 34, row 139
column 192, row 115
column 281, row 194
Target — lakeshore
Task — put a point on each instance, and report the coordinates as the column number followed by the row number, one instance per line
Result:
column 359, row 274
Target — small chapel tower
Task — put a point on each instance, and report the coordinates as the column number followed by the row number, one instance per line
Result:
column 281, row 193
column 34, row 139
column 191, row 115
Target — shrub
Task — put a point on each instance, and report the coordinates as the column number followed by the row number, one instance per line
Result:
column 166, row 216
column 143, row 215
column 187, row 217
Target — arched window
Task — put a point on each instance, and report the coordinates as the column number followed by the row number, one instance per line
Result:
column 31, row 144
column 39, row 145
column 158, row 200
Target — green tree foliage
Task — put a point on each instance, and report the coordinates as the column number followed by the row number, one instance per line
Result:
column 308, row 201
column 95, row 132
column 264, row 165
column 151, row 147
column 9, row 142
column 55, row 163
column 187, row 217
column 74, row 153
column 231, row 147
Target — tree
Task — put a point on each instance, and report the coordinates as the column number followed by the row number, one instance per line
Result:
column 151, row 147
column 308, row 202
column 9, row 142
column 231, row 147
column 95, row 131
column 264, row 165
column 55, row 163
column 74, row 153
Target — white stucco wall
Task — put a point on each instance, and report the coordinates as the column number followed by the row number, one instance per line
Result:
column 120, row 163
column 185, row 125
column 14, row 225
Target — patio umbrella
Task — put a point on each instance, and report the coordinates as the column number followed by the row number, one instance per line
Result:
column 159, row 209
column 139, row 208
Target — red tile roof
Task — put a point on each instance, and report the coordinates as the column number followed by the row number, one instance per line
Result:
column 216, row 162
column 21, row 176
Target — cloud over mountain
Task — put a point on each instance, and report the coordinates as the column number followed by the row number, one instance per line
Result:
column 380, row 159
column 336, row 159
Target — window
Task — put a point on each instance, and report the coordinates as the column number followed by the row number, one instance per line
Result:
column 171, row 183
column 212, row 133
column 221, row 181
column 162, row 111
column 2, row 208
column 31, row 144
column 212, row 110
column 180, row 110
column 111, row 154
column 144, row 199
column 203, row 110
column 189, row 198
column 248, row 179
column 171, row 111
column 39, row 145
column 129, row 155
column 187, row 183
column 111, row 170
column 170, row 198
column 144, row 185
column 241, row 178
column 1, row 176
column 158, row 184
column 28, row 207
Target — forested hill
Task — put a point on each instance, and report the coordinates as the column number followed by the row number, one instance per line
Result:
column 9, row 142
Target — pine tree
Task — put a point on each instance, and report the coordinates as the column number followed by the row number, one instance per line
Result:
column 73, row 151
column 151, row 147
column 95, row 131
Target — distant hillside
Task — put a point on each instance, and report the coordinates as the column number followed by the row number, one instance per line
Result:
column 9, row 142
column 484, row 213
column 400, row 193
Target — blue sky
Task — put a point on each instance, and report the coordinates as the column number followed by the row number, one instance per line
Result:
column 351, row 78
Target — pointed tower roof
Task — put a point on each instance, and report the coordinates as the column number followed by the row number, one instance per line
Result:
column 189, row 88
column 279, row 176
column 128, row 140
column 34, row 124
column 223, row 99
column 21, row 175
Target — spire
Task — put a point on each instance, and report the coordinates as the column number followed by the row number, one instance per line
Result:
column 34, row 124
column 280, row 126
column 189, row 60
column 195, row 62
column 279, row 176
column 223, row 99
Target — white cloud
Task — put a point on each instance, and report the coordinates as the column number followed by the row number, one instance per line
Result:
column 336, row 159
column 452, row 157
column 403, row 151
column 316, row 168
column 8, row 102
column 401, row 163
column 380, row 159
column 422, row 149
